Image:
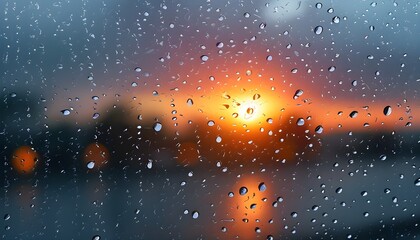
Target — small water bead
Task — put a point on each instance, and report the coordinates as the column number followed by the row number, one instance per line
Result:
column 339, row 190
column 195, row 214
column 243, row 191
column 354, row 83
column 190, row 102
column 263, row 25
column 137, row 69
column 157, row 127
column 336, row 19
column 95, row 115
column 382, row 157
column 219, row 45
column 417, row 182
column 218, row 139
column 294, row 214
column 318, row 30
column 6, row 217
column 330, row 10
column 96, row 237
column 231, row 194
column 247, row 15
column 318, row 5
column 210, row 123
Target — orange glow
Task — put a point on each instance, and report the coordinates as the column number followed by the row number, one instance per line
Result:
column 96, row 156
column 251, row 212
column 24, row 160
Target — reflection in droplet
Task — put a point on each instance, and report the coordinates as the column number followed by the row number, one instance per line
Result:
column 319, row 129
column 195, row 214
column 204, row 58
column 190, row 102
column 210, row 123
column 318, row 5
column 65, row 112
column 157, row 126
column 90, row 165
column 318, row 30
column 262, row 187
column 417, row 182
column 387, row 110
column 263, row 25
column 298, row 93
column 218, row 139
column 243, row 191
column 353, row 114
column 300, row 122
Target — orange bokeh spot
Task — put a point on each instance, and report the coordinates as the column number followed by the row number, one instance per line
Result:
column 24, row 160
column 95, row 156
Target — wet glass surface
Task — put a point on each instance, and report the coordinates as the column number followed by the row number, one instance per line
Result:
column 210, row 119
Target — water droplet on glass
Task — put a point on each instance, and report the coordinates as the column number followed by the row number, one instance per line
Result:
column 155, row 93
column 195, row 214
column 247, row 15
column 6, row 217
column 263, row 25
column 231, row 194
column 90, row 78
column 224, row 229
column 372, row 28
column 150, row 164
column 364, row 193
column 90, row 165
column 65, row 112
column 298, row 93
column 210, row 123
column 243, row 191
column 318, row 5
column 354, row 83
column 331, row 69
column 382, row 157
column 387, row 110
column 269, row 58
column 417, row 182
column 319, row 129
column 96, row 237
column 190, row 102
column 218, row 139
column 339, row 190
column 330, row 10
column 95, row 115
column 256, row 96
column 262, row 187
column 294, row 70
column 204, row 58
column 336, row 19
column 318, row 30
column 294, row 214
column 137, row 69
column 353, row 114
column 300, row 122
column 157, row 126
column 219, row 45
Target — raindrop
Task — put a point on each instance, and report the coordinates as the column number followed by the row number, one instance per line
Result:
column 231, row 194
column 354, row 83
column 269, row 58
column 250, row 110
column 339, row 190
column 336, row 19
column 263, row 25
column 137, row 69
column 256, row 96
column 247, row 15
column 257, row 230
column 204, row 58
column 210, row 123
column 319, row 129
column 382, row 157
column 331, row 69
column 65, row 112
column 298, row 93
column 90, row 164
column 262, row 187
column 294, row 70
column 300, row 122
column 195, row 214
column 224, row 229
column 294, row 214
column 243, row 191
column 157, row 126
column 155, row 93
column 330, row 10
column 150, row 164
column 372, row 28
column 190, row 102
column 318, row 30
column 353, row 114
column 219, row 45
column 318, row 5
column 6, row 217
column 417, row 182
column 90, row 78
column 171, row 25
column 95, row 98
column 218, row 139
column 387, row 110
column 364, row 193
column 96, row 237
column 95, row 115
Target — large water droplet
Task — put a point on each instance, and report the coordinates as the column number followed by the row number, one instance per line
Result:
column 298, row 93
column 190, row 102
column 243, row 191
column 157, row 126
column 137, row 69
column 95, row 115
column 204, row 58
column 300, row 122
column 218, row 139
column 417, row 182
column 195, row 214
column 353, row 114
column 319, row 129
column 65, row 112
column 262, row 187
column 318, row 30
column 90, row 165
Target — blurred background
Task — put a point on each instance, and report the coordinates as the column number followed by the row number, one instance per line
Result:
column 210, row 119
